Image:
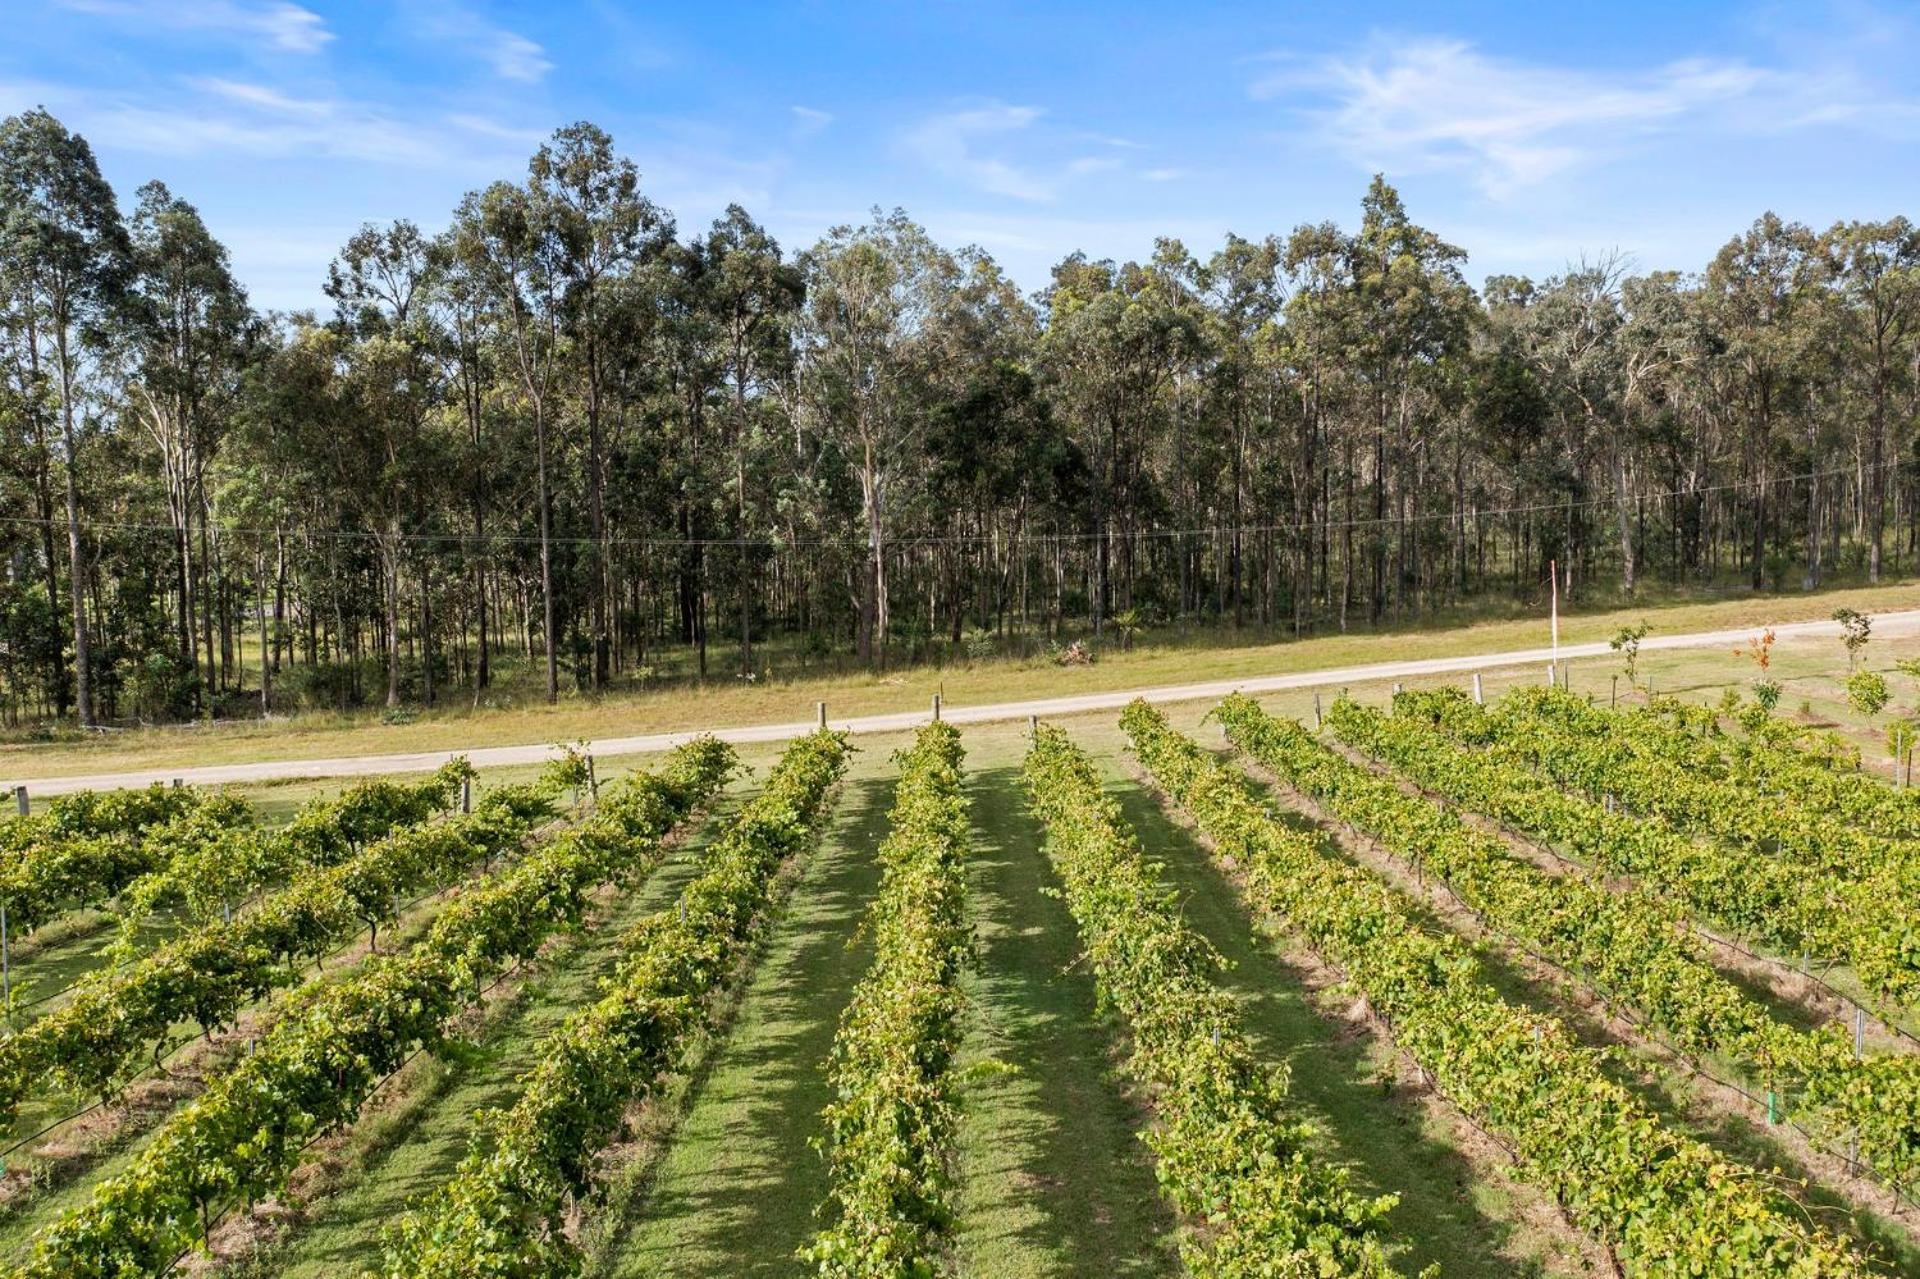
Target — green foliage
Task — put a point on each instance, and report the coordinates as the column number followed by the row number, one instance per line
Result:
column 1855, row 629
column 1867, row 692
column 1631, row 944
column 1230, row 1155
column 889, row 1136
column 1626, row 642
column 1669, row 1204
column 501, row 1214
column 115, row 1017
column 1844, row 834
column 87, row 847
column 244, row 1135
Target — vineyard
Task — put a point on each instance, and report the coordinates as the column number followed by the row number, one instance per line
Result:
column 1421, row 985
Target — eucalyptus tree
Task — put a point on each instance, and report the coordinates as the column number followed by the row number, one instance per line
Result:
column 1876, row 266
column 870, row 340
column 1572, row 335
column 1411, row 311
column 601, row 231
column 459, row 302
column 755, row 296
column 1111, row 347
column 1246, row 294
column 502, row 237
column 66, row 260
column 380, row 283
column 183, row 352
column 1757, row 290
column 1319, row 323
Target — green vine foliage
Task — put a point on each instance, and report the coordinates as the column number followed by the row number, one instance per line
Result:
column 500, row 1216
column 1231, row 1156
column 1663, row 1203
column 1849, row 878
column 214, row 872
column 1818, row 771
column 889, row 1134
column 1630, row 944
column 242, row 1137
column 89, row 846
column 117, row 1017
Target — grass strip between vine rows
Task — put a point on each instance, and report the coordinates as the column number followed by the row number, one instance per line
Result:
column 889, row 1136
column 1630, row 944
column 1229, row 1154
column 92, row 1043
column 1661, row 1202
column 502, row 1212
column 242, row 1137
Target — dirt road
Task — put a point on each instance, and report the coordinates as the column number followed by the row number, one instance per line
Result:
column 1884, row 625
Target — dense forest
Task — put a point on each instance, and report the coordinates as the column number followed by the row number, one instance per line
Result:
column 565, row 435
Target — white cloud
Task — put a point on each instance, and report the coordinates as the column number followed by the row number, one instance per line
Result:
column 510, row 55
column 280, row 25
column 810, row 120
column 1429, row 103
column 201, row 116
column 259, row 95
column 514, row 57
column 950, row 144
column 531, row 139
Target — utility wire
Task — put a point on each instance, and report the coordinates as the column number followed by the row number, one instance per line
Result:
column 469, row 541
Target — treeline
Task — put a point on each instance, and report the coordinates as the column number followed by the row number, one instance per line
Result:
column 562, row 433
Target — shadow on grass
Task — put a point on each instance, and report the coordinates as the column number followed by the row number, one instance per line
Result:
column 1441, row 1214
column 736, row 1193
column 1054, row 1180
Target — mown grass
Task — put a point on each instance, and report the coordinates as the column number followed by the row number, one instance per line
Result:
column 735, row 1192
column 1053, row 1180
column 725, row 701
column 394, row 1159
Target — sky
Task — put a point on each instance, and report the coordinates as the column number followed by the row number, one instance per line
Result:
column 1532, row 135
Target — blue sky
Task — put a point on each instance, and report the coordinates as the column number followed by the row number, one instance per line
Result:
column 1529, row 134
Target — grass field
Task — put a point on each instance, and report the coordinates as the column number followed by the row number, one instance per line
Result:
column 724, row 702
column 721, row 1175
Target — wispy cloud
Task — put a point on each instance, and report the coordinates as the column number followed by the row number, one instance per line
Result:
column 217, row 116
column 1440, row 102
column 953, row 144
column 810, row 120
column 508, row 54
column 278, row 25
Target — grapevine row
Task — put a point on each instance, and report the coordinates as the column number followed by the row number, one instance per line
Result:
column 92, row 1042
column 210, row 873
column 1793, row 908
column 501, row 1213
column 88, row 847
column 1627, row 944
column 1857, row 891
column 889, row 1134
column 1230, row 1154
column 1814, row 771
column 1595, row 750
column 1662, row 1202
column 244, row 1135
